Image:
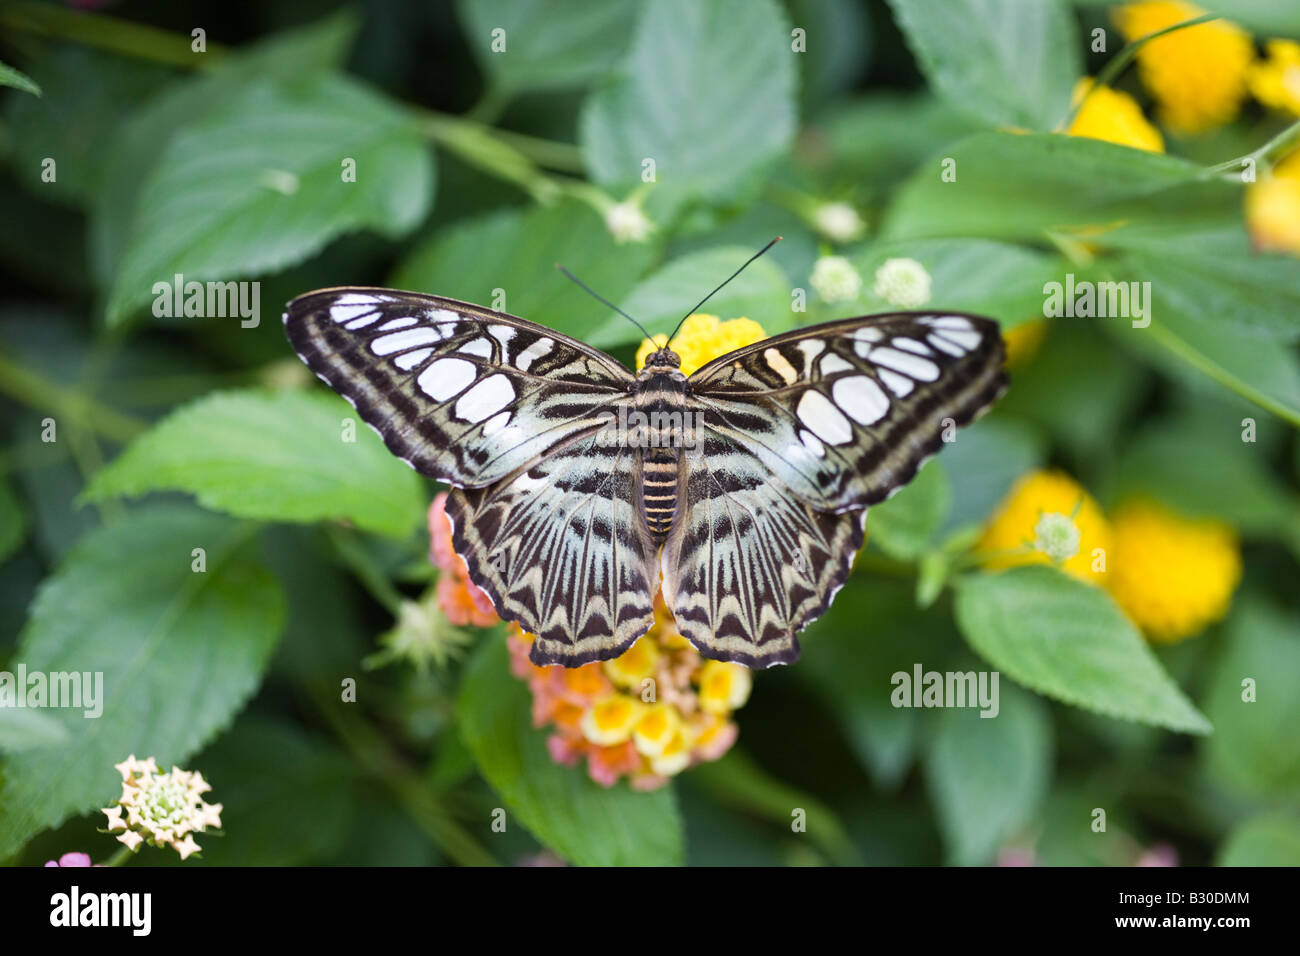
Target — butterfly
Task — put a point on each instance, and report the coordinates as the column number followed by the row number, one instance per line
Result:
column 580, row 487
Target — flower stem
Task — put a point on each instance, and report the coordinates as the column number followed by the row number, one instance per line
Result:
column 1280, row 143
column 121, row 856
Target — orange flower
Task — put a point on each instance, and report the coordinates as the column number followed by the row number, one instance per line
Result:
column 461, row 599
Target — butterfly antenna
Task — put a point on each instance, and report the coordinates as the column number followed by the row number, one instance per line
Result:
column 586, row 288
column 719, row 288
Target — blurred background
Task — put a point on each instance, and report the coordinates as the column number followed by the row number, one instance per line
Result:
column 324, row 662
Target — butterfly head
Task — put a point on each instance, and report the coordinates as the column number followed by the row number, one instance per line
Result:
column 663, row 358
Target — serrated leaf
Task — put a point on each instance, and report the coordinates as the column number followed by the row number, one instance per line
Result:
column 180, row 652
column 506, row 260
column 561, row 806
column 685, row 99
column 761, row 293
column 988, row 776
column 279, row 197
column 1069, row 640
column 1007, row 62
column 546, row 47
column 277, row 456
column 27, row 729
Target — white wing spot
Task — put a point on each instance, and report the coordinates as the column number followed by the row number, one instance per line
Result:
column 531, row 354
column 496, row 423
column 352, row 305
column 480, row 347
column 811, row 348
column 408, row 360
column 503, row 334
column 968, row 339
column 950, row 322
column 781, row 365
column 391, row 324
column 445, row 378
column 861, row 398
column 832, row 363
column 918, row 368
column 407, row 339
column 911, row 345
column 485, row 399
column 900, row 385
column 823, row 419
column 943, row 345
column 811, row 443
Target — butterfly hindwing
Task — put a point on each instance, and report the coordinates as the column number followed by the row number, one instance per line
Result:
column 845, row 413
column 462, row 394
column 750, row 564
column 561, row 547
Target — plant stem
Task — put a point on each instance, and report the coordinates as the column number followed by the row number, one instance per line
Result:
column 1115, row 66
column 121, row 856
column 39, row 393
column 1278, row 144
column 107, row 33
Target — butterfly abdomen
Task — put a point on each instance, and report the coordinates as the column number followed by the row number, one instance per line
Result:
column 659, row 489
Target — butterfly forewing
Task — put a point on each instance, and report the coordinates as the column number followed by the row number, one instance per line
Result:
column 462, row 394
column 844, row 413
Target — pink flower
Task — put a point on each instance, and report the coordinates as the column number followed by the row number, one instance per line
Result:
column 73, row 859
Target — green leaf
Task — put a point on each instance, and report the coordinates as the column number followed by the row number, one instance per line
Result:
column 997, row 279
column 287, row 797
column 507, row 260
column 851, row 664
column 904, row 526
column 18, row 80
column 984, row 463
column 279, row 456
column 561, row 806
column 737, row 781
column 1007, row 62
column 685, row 99
column 87, row 96
column 1268, row 840
column 1068, row 640
column 24, row 729
column 1170, row 461
column 180, row 652
column 1263, row 16
column 281, row 196
column 546, row 47
column 1255, row 748
column 299, row 56
column 761, row 293
column 988, row 776
column 1026, row 187
column 13, row 523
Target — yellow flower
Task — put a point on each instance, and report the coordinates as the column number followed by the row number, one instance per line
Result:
column 1023, row 341
column 1275, row 80
column 1273, row 207
column 703, row 338
column 634, row 665
column 611, row 720
column 1172, row 575
column 1013, row 525
column 1197, row 75
column 723, row 686
column 1113, row 116
column 676, row 756
column 658, row 725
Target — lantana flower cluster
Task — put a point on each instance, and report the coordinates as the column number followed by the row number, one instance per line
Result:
column 161, row 809
column 1173, row 575
column 647, row 714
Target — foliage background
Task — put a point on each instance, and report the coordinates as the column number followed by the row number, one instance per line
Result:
column 478, row 171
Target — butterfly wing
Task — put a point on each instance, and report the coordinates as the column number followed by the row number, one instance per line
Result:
column 561, row 547
column 751, row 564
column 845, row 413
column 801, row 433
column 461, row 393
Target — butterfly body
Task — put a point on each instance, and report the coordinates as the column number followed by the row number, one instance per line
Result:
column 580, row 488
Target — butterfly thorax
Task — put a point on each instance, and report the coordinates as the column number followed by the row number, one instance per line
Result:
column 659, row 427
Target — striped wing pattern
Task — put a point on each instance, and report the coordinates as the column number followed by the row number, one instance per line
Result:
column 803, row 432
column 845, row 413
column 800, row 434
column 561, row 547
column 460, row 393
